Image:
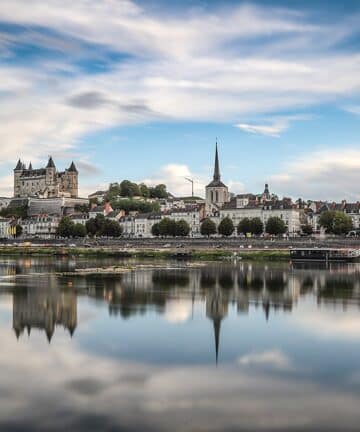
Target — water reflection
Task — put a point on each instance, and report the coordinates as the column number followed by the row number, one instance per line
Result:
column 145, row 344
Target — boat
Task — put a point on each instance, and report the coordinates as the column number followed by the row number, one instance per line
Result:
column 324, row 255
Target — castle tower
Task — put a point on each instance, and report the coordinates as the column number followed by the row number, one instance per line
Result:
column 72, row 174
column 216, row 191
column 17, row 174
column 50, row 177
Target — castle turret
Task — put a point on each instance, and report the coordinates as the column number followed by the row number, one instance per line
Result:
column 72, row 180
column 17, row 174
column 50, row 177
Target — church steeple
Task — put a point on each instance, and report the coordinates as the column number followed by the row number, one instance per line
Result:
column 216, row 167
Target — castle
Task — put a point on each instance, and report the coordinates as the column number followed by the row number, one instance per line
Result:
column 45, row 182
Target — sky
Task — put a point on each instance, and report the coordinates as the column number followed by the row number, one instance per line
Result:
column 142, row 89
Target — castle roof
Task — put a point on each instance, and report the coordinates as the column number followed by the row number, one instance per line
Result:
column 18, row 165
column 50, row 163
column 72, row 167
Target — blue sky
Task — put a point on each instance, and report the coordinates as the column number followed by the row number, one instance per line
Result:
column 141, row 90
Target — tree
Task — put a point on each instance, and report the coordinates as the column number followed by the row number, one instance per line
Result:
column 91, row 227
column 65, row 227
column 79, row 230
column 144, row 190
column 111, row 228
column 155, row 230
column 335, row 222
column 226, row 227
column 256, row 226
column 182, row 228
column 244, row 226
column 159, row 191
column 167, row 227
column 307, row 229
column 275, row 226
column 342, row 223
column 207, row 227
column 326, row 220
column 99, row 222
column 129, row 189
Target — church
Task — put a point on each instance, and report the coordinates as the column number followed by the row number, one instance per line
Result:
column 45, row 182
column 216, row 192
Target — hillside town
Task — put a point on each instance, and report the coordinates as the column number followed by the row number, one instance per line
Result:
column 46, row 205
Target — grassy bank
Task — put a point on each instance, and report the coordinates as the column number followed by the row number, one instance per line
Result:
column 198, row 254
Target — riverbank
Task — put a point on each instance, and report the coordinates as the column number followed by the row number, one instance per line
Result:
column 195, row 254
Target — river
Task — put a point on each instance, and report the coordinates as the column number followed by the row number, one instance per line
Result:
column 169, row 347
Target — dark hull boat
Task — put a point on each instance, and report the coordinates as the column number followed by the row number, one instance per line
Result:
column 325, row 255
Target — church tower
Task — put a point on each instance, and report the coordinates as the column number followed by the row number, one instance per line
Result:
column 216, row 192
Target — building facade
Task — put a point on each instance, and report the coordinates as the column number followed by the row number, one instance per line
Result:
column 45, row 182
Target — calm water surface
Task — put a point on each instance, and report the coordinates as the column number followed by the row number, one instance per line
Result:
column 223, row 347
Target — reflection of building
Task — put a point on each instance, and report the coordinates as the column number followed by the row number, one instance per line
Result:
column 44, row 309
column 216, row 310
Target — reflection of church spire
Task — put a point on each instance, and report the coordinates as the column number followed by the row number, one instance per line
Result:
column 217, row 324
column 216, row 310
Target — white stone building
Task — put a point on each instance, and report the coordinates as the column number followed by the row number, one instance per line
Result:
column 5, row 225
column 41, row 226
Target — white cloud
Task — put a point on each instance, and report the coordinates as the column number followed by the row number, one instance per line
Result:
column 273, row 127
column 273, row 358
column 204, row 66
column 177, row 311
column 328, row 175
column 173, row 175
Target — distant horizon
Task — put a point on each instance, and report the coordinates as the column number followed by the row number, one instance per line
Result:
column 142, row 90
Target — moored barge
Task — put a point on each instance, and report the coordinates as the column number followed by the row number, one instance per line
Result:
column 324, row 255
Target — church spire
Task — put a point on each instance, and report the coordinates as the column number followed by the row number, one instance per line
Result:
column 216, row 167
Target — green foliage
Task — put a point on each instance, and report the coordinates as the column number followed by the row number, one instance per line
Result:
column 207, row 227
column 275, row 226
column 167, row 227
column 129, row 205
column 226, row 227
column 16, row 212
column 342, row 223
column 159, row 191
column 79, row 230
column 91, row 227
column 129, row 189
column 250, row 226
column 256, row 225
column 65, row 227
column 155, row 229
column 111, row 228
column 244, row 226
column 335, row 222
column 82, row 208
column 326, row 220
column 182, row 228
column 307, row 229
column 144, row 190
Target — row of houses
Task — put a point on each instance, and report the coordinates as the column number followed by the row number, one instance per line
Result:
column 239, row 207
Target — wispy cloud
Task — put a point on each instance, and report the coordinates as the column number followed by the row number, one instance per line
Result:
column 273, row 127
column 325, row 174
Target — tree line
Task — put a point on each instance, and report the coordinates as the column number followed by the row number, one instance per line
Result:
column 98, row 226
column 246, row 226
column 128, row 189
